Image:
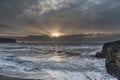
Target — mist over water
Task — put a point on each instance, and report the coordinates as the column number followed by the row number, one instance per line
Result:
column 48, row 62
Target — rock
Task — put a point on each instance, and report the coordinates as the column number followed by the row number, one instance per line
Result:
column 109, row 44
column 7, row 40
column 113, row 61
column 59, row 51
column 102, row 54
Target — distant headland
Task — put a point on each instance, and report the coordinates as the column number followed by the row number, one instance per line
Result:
column 7, row 40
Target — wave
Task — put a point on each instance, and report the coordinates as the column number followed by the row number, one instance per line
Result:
column 52, row 62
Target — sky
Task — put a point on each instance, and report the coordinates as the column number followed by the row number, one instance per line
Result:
column 40, row 17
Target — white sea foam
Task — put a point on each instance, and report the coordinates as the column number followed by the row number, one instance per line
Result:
column 52, row 62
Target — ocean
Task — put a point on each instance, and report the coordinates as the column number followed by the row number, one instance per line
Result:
column 52, row 62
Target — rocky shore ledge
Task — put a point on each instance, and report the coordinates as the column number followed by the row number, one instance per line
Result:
column 111, row 52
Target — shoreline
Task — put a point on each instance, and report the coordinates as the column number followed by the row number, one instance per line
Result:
column 4, row 77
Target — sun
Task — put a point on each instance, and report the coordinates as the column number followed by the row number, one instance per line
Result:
column 55, row 35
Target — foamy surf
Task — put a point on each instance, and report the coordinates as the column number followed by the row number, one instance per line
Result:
column 52, row 62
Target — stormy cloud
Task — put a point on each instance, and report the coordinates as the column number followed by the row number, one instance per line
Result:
column 27, row 17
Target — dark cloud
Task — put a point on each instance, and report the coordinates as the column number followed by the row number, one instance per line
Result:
column 67, row 16
column 4, row 26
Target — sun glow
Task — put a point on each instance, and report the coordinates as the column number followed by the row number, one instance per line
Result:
column 55, row 35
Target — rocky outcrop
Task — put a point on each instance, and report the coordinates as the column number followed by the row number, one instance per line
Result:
column 111, row 51
column 102, row 54
column 113, row 61
column 7, row 40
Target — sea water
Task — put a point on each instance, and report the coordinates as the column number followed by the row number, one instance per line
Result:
column 52, row 62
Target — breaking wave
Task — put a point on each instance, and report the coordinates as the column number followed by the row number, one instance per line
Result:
column 52, row 62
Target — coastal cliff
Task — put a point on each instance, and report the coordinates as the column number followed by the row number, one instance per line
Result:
column 7, row 40
column 113, row 61
column 111, row 52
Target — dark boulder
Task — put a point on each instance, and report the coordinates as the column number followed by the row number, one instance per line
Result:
column 113, row 61
column 102, row 54
column 7, row 40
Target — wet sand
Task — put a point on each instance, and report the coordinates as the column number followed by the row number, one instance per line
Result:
column 2, row 77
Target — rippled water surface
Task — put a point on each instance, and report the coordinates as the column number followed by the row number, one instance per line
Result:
column 52, row 62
